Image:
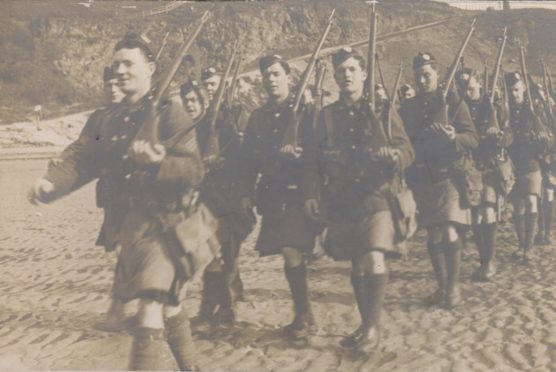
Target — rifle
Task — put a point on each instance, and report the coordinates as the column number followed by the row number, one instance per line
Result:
column 212, row 148
column 392, row 105
column 498, row 66
column 162, row 45
column 525, row 78
column 290, row 140
column 485, row 77
column 318, row 93
column 371, row 55
column 150, row 128
column 550, row 86
column 547, row 95
column 231, row 90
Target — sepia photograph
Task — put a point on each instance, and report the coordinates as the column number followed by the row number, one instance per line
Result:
column 286, row 185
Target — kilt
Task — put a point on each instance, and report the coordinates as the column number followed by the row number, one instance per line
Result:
column 145, row 270
column 439, row 202
column 489, row 196
column 527, row 184
column 358, row 224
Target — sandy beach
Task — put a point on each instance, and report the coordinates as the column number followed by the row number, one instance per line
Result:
column 55, row 283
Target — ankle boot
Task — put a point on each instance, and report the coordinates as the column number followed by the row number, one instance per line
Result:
column 453, row 260
column 439, row 267
column 178, row 336
column 301, row 325
column 147, row 349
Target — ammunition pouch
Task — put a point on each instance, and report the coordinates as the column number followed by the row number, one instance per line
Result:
column 403, row 209
column 469, row 182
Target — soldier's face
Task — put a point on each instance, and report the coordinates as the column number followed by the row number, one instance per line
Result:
column 192, row 105
column 517, row 92
column 112, row 92
column 426, row 79
column 133, row 70
column 276, row 81
column 212, row 84
column 473, row 90
column 409, row 93
column 349, row 76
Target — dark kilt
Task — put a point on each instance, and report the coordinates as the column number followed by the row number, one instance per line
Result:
column 527, row 184
column 358, row 222
column 284, row 221
column 223, row 199
column 438, row 201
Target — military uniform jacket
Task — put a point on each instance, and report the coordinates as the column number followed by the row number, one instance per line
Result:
column 99, row 153
column 351, row 138
column 434, row 155
column 280, row 176
column 489, row 147
column 525, row 151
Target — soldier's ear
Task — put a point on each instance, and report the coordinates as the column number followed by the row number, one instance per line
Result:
column 152, row 67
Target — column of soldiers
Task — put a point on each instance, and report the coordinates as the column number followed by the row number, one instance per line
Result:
column 341, row 175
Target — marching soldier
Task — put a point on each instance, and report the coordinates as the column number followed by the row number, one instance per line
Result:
column 211, row 80
column 357, row 166
column 439, row 148
column 494, row 138
column 221, row 283
column 531, row 140
column 285, row 228
column 145, row 188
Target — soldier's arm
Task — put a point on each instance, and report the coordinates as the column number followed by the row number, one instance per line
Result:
column 400, row 140
column 466, row 133
column 311, row 180
column 182, row 163
column 77, row 164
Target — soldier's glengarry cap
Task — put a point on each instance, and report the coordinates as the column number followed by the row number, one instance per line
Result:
column 188, row 86
column 108, row 74
column 208, row 72
column 270, row 59
column 512, row 78
column 132, row 40
column 344, row 54
column 422, row 59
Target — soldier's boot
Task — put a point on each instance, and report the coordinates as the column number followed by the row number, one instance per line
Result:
column 439, row 266
column 453, row 261
column 209, row 295
column 225, row 315
column 490, row 233
column 237, row 287
column 303, row 320
column 147, row 349
column 480, row 242
column 178, row 336
column 373, row 290
column 530, row 223
column 548, row 218
column 519, row 224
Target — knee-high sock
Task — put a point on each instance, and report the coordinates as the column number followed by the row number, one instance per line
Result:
column 147, row 350
column 180, row 340
column 375, row 288
column 297, row 280
column 530, row 223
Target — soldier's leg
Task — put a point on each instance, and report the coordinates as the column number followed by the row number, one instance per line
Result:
column 539, row 237
column 296, row 274
column 148, row 346
column 369, row 278
column 480, row 242
column 225, row 313
column 531, row 215
column 548, row 211
column 178, row 336
column 519, row 222
column 490, row 227
column 452, row 250
column 210, row 296
column 436, row 252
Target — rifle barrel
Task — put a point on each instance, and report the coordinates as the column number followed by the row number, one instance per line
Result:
column 498, row 65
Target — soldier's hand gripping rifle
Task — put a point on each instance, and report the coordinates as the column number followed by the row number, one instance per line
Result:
column 538, row 133
column 149, row 131
column 290, row 141
column 211, row 155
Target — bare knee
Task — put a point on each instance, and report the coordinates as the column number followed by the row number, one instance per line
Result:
column 151, row 314
column 531, row 204
column 170, row 311
column 370, row 263
column 489, row 215
column 292, row 257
